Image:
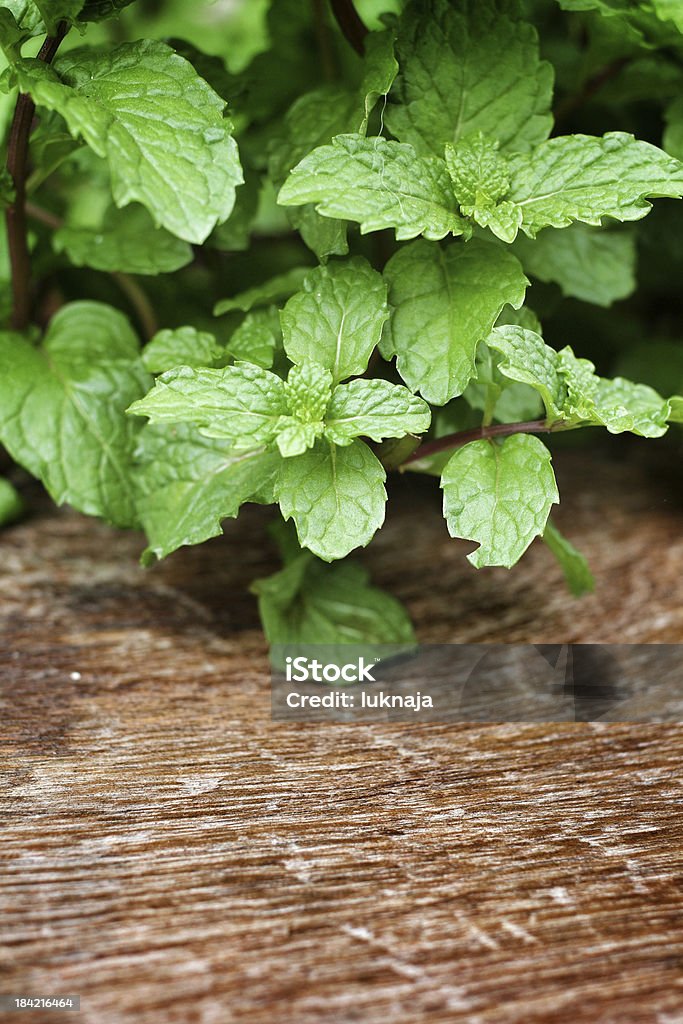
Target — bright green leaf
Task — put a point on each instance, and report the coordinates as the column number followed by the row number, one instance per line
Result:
column 62, row 408
column 11, row 505
column 445, row 301
column 375, row 409
column 308, row 391
column 257, row 338
column 500, row 495
column 238, row 403
column 578, row 177
column 181, row 346
column 335, row 496
column 309, row 602
column 468, row 66
column 587, row 263
column 187, row 484
column 158, row 125
column 337, row 318
column 573, row 564
column 528, row 360
column 379, row 184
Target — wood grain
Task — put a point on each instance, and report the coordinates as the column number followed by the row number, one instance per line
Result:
column 171, row 855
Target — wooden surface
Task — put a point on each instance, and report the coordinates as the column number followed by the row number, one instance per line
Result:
column 171, row 855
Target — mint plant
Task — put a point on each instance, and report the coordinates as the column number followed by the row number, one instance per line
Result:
column 395, row 214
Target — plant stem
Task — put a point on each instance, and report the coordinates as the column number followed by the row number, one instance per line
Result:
column 590, row 87
column 463, row 437
column 322, row 31
column 353, row 29
column 136, row 296
column 17, row 157
column 139, row 300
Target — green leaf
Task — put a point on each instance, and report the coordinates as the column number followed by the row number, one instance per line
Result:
column 468, row 66
column 309, row 602
column 335, row 496
column 499, row 494
column 578, row 177
column 528, row 360
column 295, row 437
column 187, row 484
column 181, row 346
column 311, row 121
column 337, row 318
column 62, row 408
column 127, row 241
column 11, row 505
column 573, row 564
column 238, row 403
column 158, row 125
column 380, row 70
column 379, row 184
column 676, row 409
column 478, row 171
column 445, row 301
column 375, row 409
column 274, row 290
column 257, row 338
column 587, row 263
column 571, row 390
column 308, row 391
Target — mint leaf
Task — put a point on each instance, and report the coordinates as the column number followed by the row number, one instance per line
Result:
column 676, row 409
column 528, row 360
column 379, row 184
column 308, row 391
column 181, row 346
column 337, row 318
column 312, row 121
column 295, row 437
column 11, row 505
column 309, row 602
column 578, row 177
column 375, row 409
column 127, row 241
column 499, row 494
column 380, row 70
column 257, row 338
column 187, row 484
column 62, row 408
column 335, row 496
column 573, row 564
column 587, row 263
column 480, row 177
column 468, row 66
column 571, row 390
column 158, row 125
column 241, row 403
column 274, row 290
column 445, row 301
column 496, row 396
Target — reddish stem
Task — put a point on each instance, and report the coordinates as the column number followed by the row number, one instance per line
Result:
column 441, row 444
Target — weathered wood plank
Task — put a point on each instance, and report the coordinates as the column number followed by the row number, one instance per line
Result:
column 170, row 854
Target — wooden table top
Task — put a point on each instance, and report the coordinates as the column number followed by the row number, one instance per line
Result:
column 170, row 854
